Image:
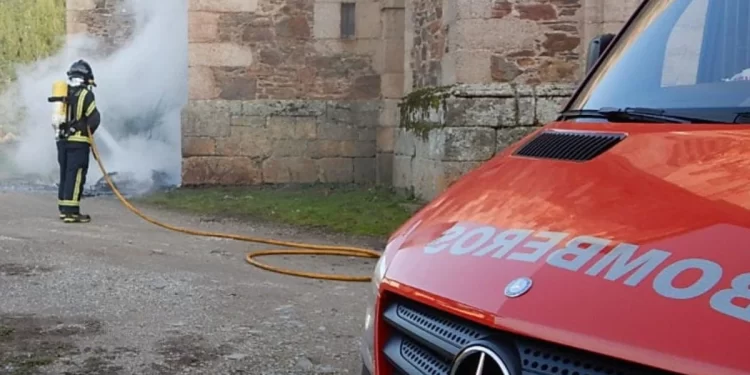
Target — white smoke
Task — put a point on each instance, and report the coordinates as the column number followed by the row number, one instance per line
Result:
column 142, row 88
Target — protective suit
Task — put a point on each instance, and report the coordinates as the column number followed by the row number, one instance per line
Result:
column 74, row 141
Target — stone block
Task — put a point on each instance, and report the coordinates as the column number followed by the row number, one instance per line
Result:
column 389, row 113
column 432, row 147
column 251, row 121
column 490, row 35
column 361, row 48
column 547, row 109
column 293, row 27
column 392, row 4
column 289, row 147
column 215, row 170
column 469, row 144
column 526, row 111
column 473, row 66
column 384, row 164
column 306, row 127
column 492, row 90
column 393, row 58
column 562, row 90
column 386, row 139
column 198, row 146
column 235, row 83
column 473, row 9
column 367, row 19
column 326, row 20
column 203, row 27
column 425, row 177
column 365, row 171
column 405, row 142
column 289, row 170
column 367, row 133
column 205, row 118
column 201, row 83
column 448, row 69
column 360, row 113
column 358, row 149
column 335, row 170
column 245, row 141
column 402, row 172
column 304, row 108
column 365, row 87
column 392, row 85
column 394, row 23
column 473, row 112
column 234, row 107
column 220, row 54
column 323, row 148
column 287, row 127
column 338, row 132
column 223, row 6
column 509, row 136
column 450, row 12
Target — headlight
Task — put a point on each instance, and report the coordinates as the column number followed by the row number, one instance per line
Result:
column 368, row 339
column 378, row 275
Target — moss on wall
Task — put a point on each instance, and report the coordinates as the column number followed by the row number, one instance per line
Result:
column 419, row 109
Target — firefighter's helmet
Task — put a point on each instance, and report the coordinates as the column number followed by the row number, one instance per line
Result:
column 81, row 69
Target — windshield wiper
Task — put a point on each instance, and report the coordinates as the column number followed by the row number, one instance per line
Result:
column 634, row 114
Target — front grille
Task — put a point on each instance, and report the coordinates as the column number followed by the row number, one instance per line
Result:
column 570, row 146
column 423, row 341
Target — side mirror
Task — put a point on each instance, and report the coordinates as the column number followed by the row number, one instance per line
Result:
column 597, row 46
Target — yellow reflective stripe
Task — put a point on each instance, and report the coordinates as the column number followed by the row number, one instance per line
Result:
column 91, row 108
column 77, row 188
column 79, row 137
column 69, row 203
column 79, row 107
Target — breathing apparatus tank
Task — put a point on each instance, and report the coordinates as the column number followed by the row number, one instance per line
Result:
column 59, row 105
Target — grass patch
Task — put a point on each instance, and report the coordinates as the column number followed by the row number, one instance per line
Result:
column 29, row 30
column 344, row 209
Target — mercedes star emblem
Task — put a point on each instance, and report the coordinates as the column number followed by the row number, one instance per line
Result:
column 479, row 360
column 518, row 287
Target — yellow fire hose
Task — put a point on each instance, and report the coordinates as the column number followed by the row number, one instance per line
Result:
column 302, row 248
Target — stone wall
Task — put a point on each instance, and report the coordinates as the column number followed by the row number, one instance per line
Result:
column 520, row 41
column 277, row 95
column 479, row 121
column 109, row 20
column 512, row 65
column 428, row 40
column 391, row 62
column 279, row 141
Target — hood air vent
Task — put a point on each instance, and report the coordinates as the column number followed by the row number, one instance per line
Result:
column 574, row 146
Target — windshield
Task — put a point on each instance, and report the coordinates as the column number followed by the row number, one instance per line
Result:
column 679, row 55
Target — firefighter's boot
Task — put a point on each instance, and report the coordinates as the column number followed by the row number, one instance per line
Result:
column 76, row 218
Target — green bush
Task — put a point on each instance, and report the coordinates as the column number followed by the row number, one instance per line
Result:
column 29, row 30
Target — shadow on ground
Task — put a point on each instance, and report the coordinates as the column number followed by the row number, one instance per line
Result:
column 29, row 342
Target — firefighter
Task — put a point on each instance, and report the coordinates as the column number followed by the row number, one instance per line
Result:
column 74, row 141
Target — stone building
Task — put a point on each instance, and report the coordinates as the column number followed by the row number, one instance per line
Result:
column 308, row 90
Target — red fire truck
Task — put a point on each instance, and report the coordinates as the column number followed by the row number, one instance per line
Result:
column 614, row 240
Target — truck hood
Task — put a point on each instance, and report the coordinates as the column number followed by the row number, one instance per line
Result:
column 642, row 253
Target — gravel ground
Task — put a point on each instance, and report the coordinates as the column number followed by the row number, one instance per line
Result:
column 120, row 296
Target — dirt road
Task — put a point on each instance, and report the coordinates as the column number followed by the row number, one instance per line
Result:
column 120, row 296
